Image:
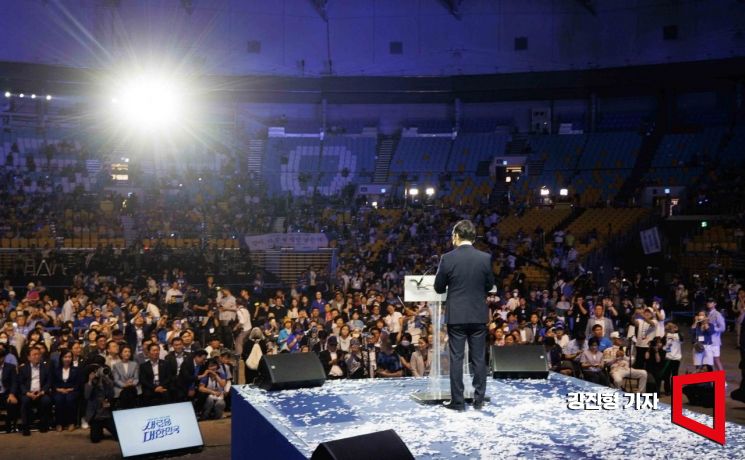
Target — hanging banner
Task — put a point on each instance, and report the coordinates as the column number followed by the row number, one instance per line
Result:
column 651, row 240
column 302, row 241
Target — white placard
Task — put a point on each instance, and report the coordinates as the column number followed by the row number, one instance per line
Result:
column 154, row 429
column 421, row 288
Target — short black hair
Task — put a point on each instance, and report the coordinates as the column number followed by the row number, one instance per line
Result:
column 465, row 230
column 593, row 341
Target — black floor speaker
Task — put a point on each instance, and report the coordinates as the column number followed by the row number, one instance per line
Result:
column 286, row 371
column 374, row 446
column 519, row 362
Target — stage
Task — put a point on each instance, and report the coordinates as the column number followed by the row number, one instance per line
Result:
column 526, row 419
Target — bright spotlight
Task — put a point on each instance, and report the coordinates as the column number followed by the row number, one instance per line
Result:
column 430, row 191
column 33, row 96
column 508, row 179
column 149, row 101
column 545, row 191
column 21, row 95
column 564, row 192
column 49, row 97
column 7, row 94
column 413, row 191
column 375, row 204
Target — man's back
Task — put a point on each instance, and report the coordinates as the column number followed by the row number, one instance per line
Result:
column 467, row 275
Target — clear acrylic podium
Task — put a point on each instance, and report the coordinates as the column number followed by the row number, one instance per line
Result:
column 421, row 289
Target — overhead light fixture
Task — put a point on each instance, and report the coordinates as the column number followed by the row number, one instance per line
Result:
column 49, row 97
column 508, row 179
column 564, row 192
column 430, row 191
column 33, row 96
column 7, row 94
column 21, row 95
column 413, row 191
column 545, row 191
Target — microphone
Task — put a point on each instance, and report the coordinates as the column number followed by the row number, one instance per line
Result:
column 418, row 283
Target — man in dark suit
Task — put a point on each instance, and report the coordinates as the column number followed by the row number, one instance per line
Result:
column 34, row 388
column 155, row 378
column 466, row 275
column 8, row 399
column 180, row 370
column 136, row 333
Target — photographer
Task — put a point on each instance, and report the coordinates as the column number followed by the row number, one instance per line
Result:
column 212, row 383
column 99, row 394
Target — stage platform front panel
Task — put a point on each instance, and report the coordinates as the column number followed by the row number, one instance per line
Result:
column 525, row 419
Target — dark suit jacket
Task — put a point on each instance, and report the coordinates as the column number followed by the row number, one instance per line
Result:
column 9, row 378
column 72, row 382
column 182, row 380
column 466, row 274
column 325, row 357
column 146, row 376
column 24, row 378
column 131, row 336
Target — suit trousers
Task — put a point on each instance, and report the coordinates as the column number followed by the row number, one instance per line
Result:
column 43, row 404
column 65, row 408
column 11, row 410
column 475, row 334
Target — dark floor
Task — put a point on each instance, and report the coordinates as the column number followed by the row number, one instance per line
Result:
column 76, row 445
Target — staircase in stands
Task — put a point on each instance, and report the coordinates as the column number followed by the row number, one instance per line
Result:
column 255, row 157
column 130, row 232
column 386, row 147
column 649, row 146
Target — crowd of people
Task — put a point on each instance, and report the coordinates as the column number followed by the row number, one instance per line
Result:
column 67, row 361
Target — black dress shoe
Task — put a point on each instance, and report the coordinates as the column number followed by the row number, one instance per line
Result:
column 478, row 405
column 26, row 432
column 455, row 407
column 43, row 429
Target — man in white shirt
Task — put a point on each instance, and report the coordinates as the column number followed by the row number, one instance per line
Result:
column 243, row 327
column 617, row 357
column 644, row 330
column 228, row 312
column 174, row 300
column 393, row 321
column 599, row 318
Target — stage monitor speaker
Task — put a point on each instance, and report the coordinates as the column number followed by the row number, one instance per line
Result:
column 286, row 371
column 374, row 446
column 519, row 362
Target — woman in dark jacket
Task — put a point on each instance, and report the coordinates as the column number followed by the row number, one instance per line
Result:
column 66, row 383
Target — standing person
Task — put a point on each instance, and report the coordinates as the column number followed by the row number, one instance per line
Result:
column 227, row 309
column 717, row 327
column 673, row 355
column 738, row 308
column 243, row 326
column 643, row 332
column 701, row 334
column 465, row 273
